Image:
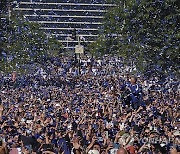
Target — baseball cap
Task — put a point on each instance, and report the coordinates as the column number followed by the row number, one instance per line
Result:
column 176, row 133
column 93, row 152
column 41, row 137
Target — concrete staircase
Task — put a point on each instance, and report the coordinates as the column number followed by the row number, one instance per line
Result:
column 61, row 17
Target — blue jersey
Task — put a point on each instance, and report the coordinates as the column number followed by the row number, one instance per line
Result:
column 135, row 92
column 63, row 145
column 135, row 89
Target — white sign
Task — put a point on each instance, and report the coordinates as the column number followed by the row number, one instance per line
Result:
column 79, row 49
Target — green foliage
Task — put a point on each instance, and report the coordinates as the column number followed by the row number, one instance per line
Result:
column 24, row 42
column 146, row 31
column 99, row 47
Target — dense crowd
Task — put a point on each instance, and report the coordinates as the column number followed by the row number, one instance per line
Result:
column 97, row 109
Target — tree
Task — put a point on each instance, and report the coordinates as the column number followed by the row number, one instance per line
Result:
column 23, row 42
column 146, row 31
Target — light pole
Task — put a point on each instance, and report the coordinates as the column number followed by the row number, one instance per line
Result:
column 79, row 57
column 124, row 6
column 78, row 50
column 9, row 9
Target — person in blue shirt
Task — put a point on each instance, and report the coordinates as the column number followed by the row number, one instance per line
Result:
column 135, row 92
column 62, row 144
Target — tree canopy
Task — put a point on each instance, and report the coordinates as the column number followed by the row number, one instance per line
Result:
column 23, row 42
column 146, row 31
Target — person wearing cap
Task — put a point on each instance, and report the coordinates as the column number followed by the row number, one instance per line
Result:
column 135, row 92
column 61, row 142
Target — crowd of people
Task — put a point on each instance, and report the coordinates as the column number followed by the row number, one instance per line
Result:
column 99, row 108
